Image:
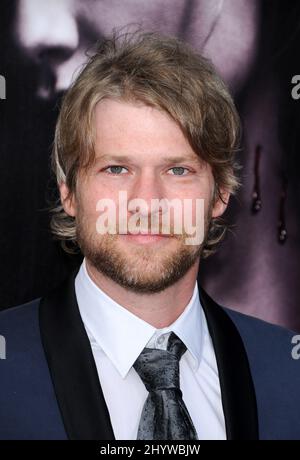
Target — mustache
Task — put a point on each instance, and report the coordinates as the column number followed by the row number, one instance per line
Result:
column 170, row 231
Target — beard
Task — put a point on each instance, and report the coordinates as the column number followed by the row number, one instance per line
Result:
column 138, row 268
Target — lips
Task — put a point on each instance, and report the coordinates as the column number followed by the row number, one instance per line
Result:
column 146, row 238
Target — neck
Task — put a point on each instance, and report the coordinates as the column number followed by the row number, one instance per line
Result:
column 158, row 309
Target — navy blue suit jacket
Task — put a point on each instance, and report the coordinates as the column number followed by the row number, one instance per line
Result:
column 49, row 386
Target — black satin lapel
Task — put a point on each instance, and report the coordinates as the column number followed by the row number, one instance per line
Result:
column 72, row 366
column 238, row 394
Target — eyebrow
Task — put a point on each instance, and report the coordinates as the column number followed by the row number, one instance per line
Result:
column 128, row 159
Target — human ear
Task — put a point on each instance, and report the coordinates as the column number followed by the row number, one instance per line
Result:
column 221, row 203
column 67, row 199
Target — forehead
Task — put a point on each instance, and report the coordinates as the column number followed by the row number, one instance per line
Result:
column 123, row 127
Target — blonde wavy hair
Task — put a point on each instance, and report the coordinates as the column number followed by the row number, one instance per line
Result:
column 161, row 72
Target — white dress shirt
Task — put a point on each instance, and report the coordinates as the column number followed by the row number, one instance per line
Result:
column 117, row 338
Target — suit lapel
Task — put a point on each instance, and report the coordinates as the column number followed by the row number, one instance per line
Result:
column 237, row 389
column 72, row 366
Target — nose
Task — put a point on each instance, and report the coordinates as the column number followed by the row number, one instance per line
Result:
column 47, row 31
column 46, row 28
column 147, row 187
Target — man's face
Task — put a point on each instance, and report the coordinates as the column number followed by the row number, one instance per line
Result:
column 135, row 147
column 55, row 34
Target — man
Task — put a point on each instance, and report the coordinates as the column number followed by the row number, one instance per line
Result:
column 131, row 346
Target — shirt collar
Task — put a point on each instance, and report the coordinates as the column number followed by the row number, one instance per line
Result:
column 123, row 335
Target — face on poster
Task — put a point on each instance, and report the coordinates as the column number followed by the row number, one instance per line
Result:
column 55, row 35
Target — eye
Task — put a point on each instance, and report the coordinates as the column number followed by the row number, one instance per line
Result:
column 179, row 171
column 115, row 169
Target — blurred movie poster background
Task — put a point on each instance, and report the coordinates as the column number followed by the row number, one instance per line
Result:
column 255, row 46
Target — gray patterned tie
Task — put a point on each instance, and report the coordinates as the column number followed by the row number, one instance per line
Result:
column 164, row 415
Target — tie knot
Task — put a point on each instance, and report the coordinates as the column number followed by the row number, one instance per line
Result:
column 159, row 369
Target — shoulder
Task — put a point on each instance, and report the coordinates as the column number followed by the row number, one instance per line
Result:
column 19, row 311
column 270, row 348
column 274, row 365
column 20, row 332
column 275, row 369
column 21, row 322
column 28, row 403
column 263, row 337
column 248, row 324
